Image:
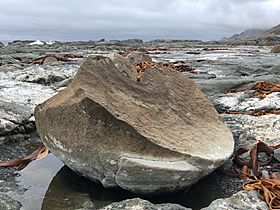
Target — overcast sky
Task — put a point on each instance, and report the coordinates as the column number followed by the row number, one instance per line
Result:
column 145, row 19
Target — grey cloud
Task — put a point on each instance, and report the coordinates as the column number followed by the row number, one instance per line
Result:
column 147, row 19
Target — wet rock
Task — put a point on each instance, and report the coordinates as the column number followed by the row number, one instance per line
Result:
column 142, row 136
column 141, row 204
column 248, row 200
column 7, row 203
column 1, row 45
column 135, row 57
column 276, row 49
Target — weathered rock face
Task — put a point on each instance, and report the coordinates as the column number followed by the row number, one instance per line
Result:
column 276, row 49
column 158, row 135
column 140, row 204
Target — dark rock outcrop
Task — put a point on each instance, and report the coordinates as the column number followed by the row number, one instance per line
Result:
column 158, row 135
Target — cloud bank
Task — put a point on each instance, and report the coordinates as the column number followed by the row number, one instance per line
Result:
column 145, row 19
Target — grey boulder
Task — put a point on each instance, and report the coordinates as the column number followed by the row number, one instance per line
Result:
column 161, row 134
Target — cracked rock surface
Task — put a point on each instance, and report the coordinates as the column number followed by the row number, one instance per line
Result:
column 158, row 135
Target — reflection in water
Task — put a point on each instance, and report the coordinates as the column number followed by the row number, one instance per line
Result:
column 36, row 178
column 71, row 191
column 68, row 191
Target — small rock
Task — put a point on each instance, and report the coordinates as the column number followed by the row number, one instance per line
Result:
column 276, row 49
column 276, row 154
column 243, row 200
column 50, row 60
column 265, row 174
column 136, row 57
column 140, row 204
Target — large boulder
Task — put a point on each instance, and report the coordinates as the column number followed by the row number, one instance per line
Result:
column 157, row 134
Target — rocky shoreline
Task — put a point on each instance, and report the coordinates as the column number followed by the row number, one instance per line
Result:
column 27, row 81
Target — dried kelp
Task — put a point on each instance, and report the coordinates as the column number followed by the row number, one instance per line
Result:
column 261, row 89
column 255, row 112
column 21, row 163
column 250, row 172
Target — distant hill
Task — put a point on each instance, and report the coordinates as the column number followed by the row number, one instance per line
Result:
column 247, row 34
column 273, row 31
column 250, row 33
column 255, row 37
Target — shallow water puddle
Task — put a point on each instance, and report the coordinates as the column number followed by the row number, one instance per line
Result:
column 52, row 186
column 35, row 178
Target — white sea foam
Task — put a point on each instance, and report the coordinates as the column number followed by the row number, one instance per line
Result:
column 38, row 42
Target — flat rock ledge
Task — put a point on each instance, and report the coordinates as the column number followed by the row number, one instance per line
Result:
column 159, row 134
column 140, row 204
